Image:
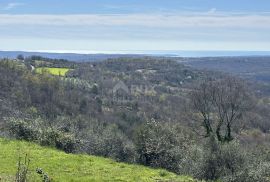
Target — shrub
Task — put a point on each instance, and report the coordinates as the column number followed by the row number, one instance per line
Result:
column 222, row 160
column 255, row 171
column 163, row 145
column 191, row 162
column 66, row 142
column 48, row 137
column 61, row 140
column 30, row 131
column 109, row 141
column 23, row 130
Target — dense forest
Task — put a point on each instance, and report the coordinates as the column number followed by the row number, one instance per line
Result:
column 151, row 111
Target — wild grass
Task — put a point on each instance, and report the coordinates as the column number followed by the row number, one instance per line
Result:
column 70, row 167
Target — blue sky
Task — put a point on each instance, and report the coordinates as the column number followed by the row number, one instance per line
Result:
column 134, row 25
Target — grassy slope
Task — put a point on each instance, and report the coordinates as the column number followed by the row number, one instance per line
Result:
column 53, row 71
column 69, row 167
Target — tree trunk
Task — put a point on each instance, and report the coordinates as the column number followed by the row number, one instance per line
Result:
column 228, row 136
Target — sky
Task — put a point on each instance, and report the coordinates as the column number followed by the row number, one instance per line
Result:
column 92, row 26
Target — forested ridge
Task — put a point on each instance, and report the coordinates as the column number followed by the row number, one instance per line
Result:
column 151, row 111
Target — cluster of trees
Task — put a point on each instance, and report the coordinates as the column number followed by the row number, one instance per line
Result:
column 168, row 146
column 192, row 125
column 221, row 103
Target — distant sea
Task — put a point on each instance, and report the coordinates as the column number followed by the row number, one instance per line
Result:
column 207, row 53
column 102, row 55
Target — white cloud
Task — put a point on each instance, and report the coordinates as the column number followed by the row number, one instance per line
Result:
column 212, row 11
column 186, row 31
column 145, row 20
column 10, row 6
column 102, row 46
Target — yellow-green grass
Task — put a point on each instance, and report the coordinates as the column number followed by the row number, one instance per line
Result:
column 70, row 167
column 53, row 71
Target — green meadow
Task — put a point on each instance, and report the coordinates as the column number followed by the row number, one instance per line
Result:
column 70, row 167
column 53, row 71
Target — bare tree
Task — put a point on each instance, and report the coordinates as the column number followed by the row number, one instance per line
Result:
column 221, row 103
column 202, row 103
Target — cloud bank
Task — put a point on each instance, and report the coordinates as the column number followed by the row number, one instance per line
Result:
column 211, row 30
column 144, row 20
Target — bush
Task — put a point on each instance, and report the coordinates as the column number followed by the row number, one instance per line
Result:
column 30, row 131
column 222, row 160
column 254, row 171
column 66, row 142
column 48, row 137
column 61, row 140
column 109, row 141
column 163, row 145
column 191, row 162
column 23, row 130
column 259, row 172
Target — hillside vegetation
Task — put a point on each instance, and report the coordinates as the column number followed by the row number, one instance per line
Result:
column 69, row 167
column 149, row 111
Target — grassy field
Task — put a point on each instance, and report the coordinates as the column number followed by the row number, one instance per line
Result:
column 53, row 71
column 69, row 167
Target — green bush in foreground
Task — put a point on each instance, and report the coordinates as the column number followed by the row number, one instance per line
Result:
column 30, row 131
